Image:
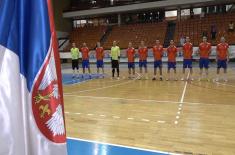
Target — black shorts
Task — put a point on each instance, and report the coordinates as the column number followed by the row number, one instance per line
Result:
column 75, row 64
column 115, row 64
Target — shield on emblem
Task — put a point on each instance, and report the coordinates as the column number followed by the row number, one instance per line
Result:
column 46, row 102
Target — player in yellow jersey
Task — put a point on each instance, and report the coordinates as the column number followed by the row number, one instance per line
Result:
column 75, row 56
column 115, row 57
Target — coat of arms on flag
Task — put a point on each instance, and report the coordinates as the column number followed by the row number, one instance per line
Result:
column 46, row 102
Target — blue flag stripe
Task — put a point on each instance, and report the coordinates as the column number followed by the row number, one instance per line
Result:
column 25, row 30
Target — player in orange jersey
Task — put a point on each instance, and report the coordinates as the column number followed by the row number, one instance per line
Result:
column 171, row 54
column 157, row 54
column 187, row 53
column 130, row 52
column 204, row 53
column 99, row 57
column 222, row 58
column 143, row 54
column 85, row 58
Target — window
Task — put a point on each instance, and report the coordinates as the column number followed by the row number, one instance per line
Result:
column 197, row 11
column 228, row 7
column 171, row 13
column 185, row 12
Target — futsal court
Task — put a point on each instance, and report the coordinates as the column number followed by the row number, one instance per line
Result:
column 182, row 117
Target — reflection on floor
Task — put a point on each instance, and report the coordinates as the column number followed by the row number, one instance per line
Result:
column 69, row 79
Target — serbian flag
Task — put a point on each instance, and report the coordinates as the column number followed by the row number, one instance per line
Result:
column 31, row 99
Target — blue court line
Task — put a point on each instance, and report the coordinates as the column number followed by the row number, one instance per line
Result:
column 77, row 146
column 68, row 79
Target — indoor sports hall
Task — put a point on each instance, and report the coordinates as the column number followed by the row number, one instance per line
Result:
column 142, row 114
column 117, row 77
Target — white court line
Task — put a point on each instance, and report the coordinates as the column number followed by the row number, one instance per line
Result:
column 224, row 84
column 123, row 83
column 161, row 121
column 145, row 120
column 119, row 98
column 104, row 80
column 185, row 87
column 111, row 81
column 115, row 117
column 182, row 99
column 123, row 146
column 144, row 100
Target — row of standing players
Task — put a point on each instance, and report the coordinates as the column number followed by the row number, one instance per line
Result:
column 203, row 51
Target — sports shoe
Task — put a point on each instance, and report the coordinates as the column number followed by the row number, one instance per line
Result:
column 182, row 79
column 154, row 78
column 161, row 78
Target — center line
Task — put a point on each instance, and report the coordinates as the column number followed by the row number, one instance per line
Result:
column 185, row 87
column 145, row 120
column 161, row 121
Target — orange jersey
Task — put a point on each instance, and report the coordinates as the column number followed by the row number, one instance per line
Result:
column 222, row 51
column 158, row 52
column 205, row 49
column 143, row 53
column 99, row 53
column 188, row 50
column 130, row 52
column 85, row 53
column 171, row 53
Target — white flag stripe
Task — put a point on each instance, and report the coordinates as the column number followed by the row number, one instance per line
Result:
column 19, row 132
column 11, row 113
